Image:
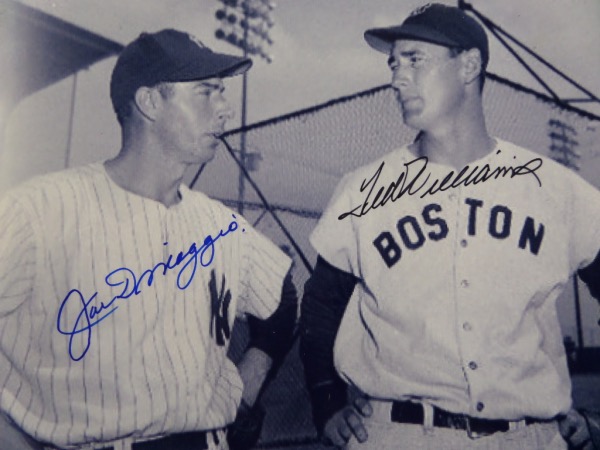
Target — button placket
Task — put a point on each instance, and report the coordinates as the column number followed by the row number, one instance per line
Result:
column 464, row 292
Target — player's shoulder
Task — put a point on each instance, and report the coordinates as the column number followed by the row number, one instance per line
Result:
column 58, row 183
column 212, row 206
column 200, row 198
column 553, row 174
column 522, row 153
column 393, row 159
column 559, row 182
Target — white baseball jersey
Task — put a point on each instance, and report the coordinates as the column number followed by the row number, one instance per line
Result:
column 116, row 311
column 457, row 300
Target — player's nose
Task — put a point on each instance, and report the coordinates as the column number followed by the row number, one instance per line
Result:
column 400, row 79
column 224, row 111
column 226, row 114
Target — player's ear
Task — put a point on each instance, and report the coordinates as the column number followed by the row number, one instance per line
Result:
column 147, row 101
column 471, row 65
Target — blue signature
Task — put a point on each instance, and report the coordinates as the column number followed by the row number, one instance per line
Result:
column 130, row 284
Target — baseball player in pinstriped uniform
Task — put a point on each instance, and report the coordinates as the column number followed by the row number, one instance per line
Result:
column 119, row 286
column 434, row 291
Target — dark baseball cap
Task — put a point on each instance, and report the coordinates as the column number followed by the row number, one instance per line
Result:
column 168, row 56
column 435, row 23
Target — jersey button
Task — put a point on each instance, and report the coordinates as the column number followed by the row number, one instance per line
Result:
column 452, row 197
column 473, row 365
column 463, row 243
column 467, row 326
column 480, row 406
column 464, row 283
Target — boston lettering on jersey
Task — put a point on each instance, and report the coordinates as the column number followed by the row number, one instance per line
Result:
column 412, row 232
column 411, row 183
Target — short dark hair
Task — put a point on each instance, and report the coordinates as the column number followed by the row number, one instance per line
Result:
column 124, row 111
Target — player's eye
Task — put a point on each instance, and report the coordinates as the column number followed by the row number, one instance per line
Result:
column 210, row 91
column 416, row 60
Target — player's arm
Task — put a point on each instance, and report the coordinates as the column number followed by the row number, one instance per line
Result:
column 581, row 429
column 17, row 257
column 326, row 296
column 270, row 340
column 17, row 260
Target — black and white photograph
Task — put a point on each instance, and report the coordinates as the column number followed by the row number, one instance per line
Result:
column 299, row 224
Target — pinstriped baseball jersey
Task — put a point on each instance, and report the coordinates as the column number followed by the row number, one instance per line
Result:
column 116, row 311
column 457, row 300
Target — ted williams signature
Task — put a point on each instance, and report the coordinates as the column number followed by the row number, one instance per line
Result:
column 411, row 183
column 93, row 311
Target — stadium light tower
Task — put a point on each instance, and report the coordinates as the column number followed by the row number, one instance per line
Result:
column 246, row 24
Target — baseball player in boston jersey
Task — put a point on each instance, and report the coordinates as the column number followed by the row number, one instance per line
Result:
column 119, row 285
column 439, row 266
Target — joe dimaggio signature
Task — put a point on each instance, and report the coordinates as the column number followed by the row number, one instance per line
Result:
column 128, row 283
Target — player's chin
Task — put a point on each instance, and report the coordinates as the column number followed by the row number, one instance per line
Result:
column 202, row 154
column 209, row 145
column 205, row 156
column 412, row 118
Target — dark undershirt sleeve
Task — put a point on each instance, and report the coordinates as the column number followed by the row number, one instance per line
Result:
column 326, row 296
column 590, row 275
column 274, row 335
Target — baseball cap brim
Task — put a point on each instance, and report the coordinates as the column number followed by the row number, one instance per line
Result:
column 382, row 39
column 218, row 65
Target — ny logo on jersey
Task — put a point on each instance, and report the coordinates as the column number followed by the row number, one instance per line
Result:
column 219, row 310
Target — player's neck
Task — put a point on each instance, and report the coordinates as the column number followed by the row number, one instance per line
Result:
column 146, row 174
column 457, row 144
